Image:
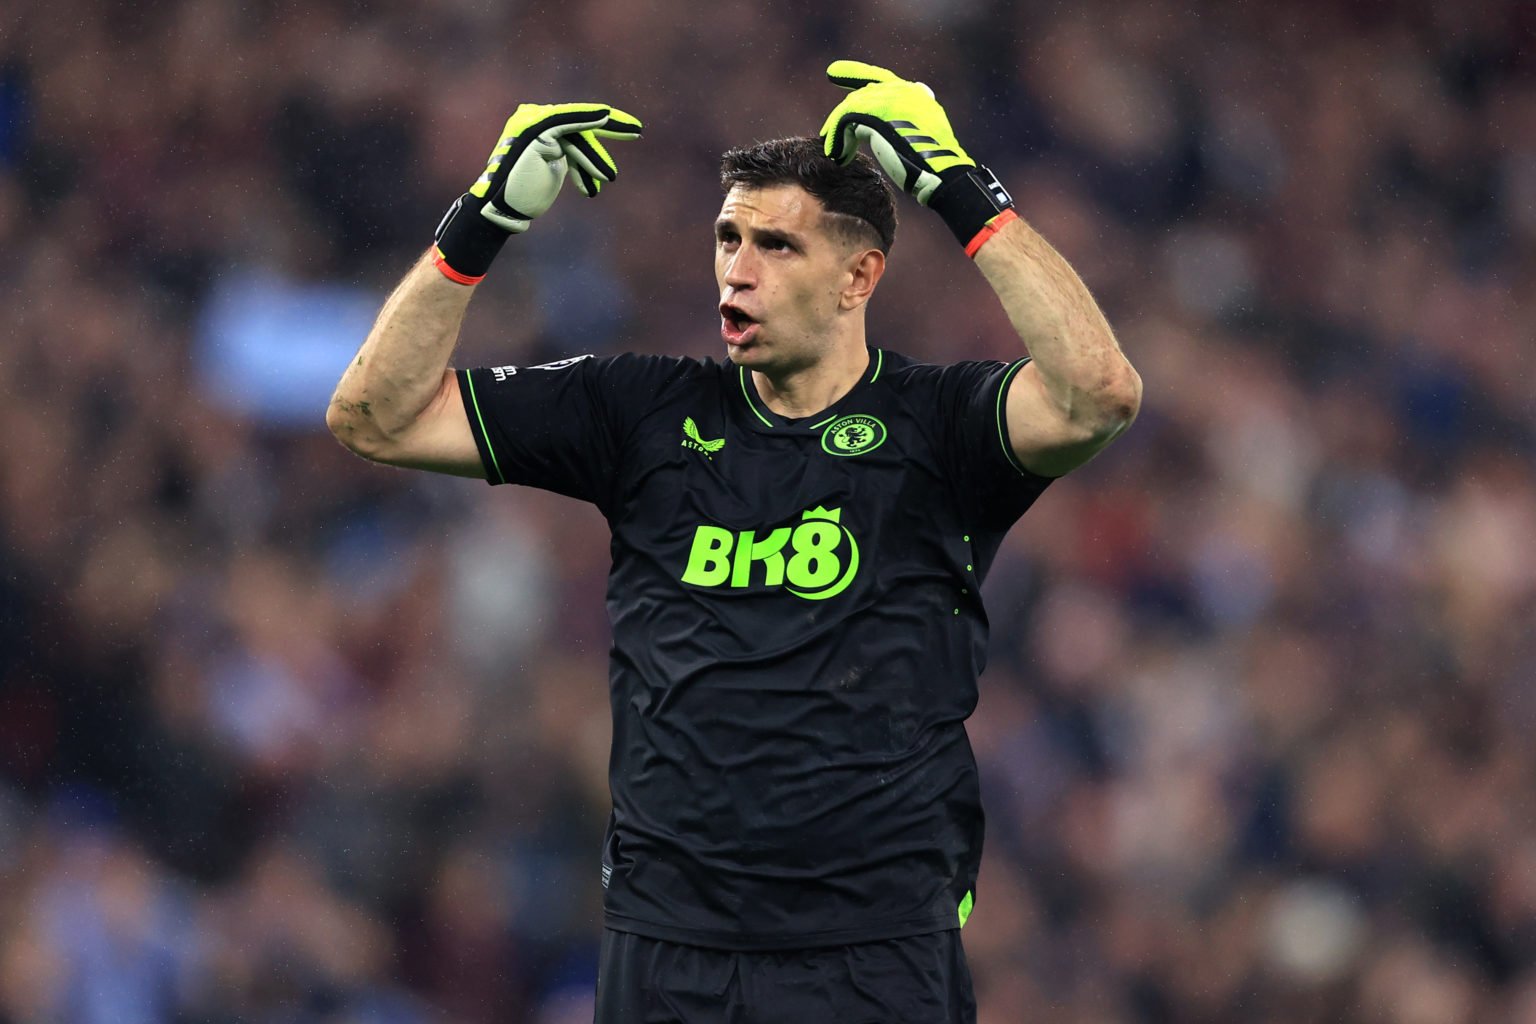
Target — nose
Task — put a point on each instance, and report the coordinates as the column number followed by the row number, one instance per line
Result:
column 740, row 269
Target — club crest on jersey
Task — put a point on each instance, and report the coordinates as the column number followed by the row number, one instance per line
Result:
column 814, row 560
column 852, row 435
column 694, row 441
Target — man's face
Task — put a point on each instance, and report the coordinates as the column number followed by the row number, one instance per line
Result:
column 781, row 274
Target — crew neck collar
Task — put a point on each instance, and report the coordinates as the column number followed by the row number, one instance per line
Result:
column 764, row 420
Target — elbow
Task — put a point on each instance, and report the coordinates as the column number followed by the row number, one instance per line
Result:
column 1125, row 399
column 337, row 421
column 1117, row 400
column 351, row 423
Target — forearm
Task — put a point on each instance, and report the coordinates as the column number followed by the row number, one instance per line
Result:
column 1079, row 363
column 402, row 365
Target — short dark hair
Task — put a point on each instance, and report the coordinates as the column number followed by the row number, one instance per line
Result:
column 858, row 198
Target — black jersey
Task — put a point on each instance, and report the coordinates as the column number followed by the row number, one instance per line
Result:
column 797, row 633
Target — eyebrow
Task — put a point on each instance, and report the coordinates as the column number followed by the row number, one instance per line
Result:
column 762, row 234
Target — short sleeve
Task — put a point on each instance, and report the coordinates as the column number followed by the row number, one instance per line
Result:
column 559, row 426
column 983, row 466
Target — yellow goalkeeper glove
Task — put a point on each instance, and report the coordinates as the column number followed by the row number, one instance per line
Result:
column 909, row 134
column 541, row 145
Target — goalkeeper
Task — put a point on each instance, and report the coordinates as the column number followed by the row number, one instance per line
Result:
column 800, row 533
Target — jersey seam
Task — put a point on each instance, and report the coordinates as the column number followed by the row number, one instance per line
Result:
column 712, row 938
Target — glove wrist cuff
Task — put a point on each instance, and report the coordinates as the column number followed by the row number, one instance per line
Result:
column 467, row 243
column 968, row 199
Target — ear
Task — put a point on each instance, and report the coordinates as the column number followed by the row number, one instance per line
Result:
column 865, row 269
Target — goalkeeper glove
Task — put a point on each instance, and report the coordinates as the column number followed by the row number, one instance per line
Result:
column 541, row 145
column 910, row 136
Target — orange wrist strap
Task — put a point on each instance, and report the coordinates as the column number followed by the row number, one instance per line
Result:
column 441, row 264
column 991, row 228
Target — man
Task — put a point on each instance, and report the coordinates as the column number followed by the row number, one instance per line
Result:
column 800, row 533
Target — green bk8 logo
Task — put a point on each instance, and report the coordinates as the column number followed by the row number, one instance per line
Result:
column 815, row 559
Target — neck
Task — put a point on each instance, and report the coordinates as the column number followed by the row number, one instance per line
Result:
column 810, row 389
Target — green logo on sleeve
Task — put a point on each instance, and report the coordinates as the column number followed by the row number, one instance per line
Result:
column 852, row 435
column 814, row 560
column 694, row 440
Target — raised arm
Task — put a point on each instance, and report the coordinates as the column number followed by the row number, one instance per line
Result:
column 398, row 401
column 1078, row 392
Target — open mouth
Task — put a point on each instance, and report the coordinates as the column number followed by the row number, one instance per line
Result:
column 736, row 325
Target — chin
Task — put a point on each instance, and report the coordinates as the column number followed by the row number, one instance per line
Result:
column 753, row 356
column 772, row 361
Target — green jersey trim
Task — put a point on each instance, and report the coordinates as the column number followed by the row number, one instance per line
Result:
column 741, row 372
column 1002, row 424
column 871, row 374
column 469, row 378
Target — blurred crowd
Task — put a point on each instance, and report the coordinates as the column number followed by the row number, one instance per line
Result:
column 286, row 737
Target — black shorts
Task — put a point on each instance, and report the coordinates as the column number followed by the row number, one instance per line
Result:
column 917, row 980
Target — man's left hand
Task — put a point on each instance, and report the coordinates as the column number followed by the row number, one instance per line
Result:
column 906, row 129
column 910, row 136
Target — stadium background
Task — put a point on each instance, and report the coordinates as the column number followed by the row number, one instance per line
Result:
column 285, row 737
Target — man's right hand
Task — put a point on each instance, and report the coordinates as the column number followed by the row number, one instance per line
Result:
column 540, row 146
